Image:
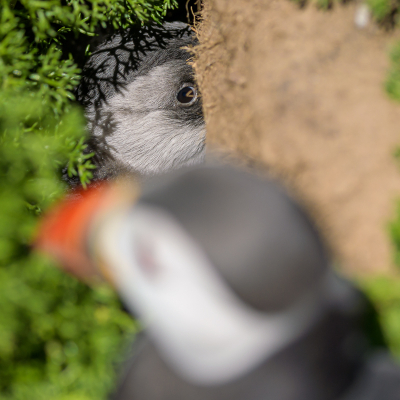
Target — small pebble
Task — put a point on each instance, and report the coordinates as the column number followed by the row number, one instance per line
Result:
column 362, row 16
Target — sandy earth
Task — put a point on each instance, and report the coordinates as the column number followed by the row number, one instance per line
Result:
column 301, row 92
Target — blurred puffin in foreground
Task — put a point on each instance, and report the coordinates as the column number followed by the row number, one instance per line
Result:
column 141, row 101
column 233, row 286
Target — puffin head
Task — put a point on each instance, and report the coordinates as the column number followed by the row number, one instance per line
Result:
column 141, row 101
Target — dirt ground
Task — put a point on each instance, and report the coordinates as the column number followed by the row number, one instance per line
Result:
column 301, row 92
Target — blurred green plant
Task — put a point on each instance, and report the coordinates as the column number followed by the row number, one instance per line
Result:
column 392, row 86
column 384, row 292
column 385, row 12
column 392, row 83
column 394, row 229
column 59, row 339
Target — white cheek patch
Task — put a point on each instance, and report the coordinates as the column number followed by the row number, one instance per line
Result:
column 204, row 331
column 140, row 128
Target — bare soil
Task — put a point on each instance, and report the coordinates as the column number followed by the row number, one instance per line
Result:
column 300, row 91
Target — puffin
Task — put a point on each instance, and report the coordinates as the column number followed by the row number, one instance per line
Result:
column 233, row 285
column 141, row 102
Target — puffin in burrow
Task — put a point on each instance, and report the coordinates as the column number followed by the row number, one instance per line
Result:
column 141, row 102
column 238, row 301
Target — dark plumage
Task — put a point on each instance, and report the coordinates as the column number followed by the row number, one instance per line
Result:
column 233, row 284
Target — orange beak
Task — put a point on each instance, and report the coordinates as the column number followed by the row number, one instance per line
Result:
column 65, row 232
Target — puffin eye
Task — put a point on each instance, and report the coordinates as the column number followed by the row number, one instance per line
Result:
column 187, row 95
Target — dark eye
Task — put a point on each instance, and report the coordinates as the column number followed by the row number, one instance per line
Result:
column 187, row 95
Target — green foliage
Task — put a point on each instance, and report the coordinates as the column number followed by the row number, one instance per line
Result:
column 321, row 4
column 384, row 292
column 394, row 230
column 385, row 12
column 393, row 79
column 324, row 4
column 382, row 10
column 58, row 338
column 34, row 145
column 33, row 34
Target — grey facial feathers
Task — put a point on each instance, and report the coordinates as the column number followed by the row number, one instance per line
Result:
column 129, row 91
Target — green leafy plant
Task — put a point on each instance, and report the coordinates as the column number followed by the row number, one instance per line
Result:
column 392, row 83
column 59, row 339
column 384, row 11
column 394, row 230
column 384, row 292
column 392, row 86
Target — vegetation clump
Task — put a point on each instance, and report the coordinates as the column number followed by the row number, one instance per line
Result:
column 58, row 338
